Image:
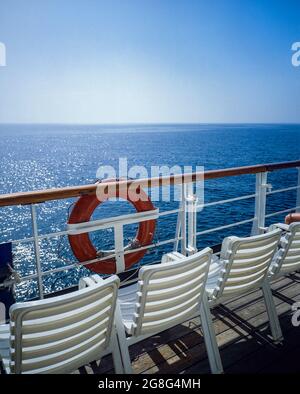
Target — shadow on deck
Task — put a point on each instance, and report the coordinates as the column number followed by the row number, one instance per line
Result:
column 243, row 337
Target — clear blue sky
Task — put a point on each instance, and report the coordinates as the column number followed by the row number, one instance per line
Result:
column 112, row 61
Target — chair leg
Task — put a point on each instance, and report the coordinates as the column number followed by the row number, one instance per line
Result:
column 123, row 345
column 272, row 313
column 116, row 355
column 210, row 338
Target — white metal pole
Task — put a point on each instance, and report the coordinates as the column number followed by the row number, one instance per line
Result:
column 195, row 204
column 260, row 203
column 37, row 251
column 263, row 197
column 178, row 229
column 298, row 192
column 119, row 248
column 183, row 220
column 254, row 230
column 192, row 218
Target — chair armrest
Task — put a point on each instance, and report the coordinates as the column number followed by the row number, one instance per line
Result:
column 281, row 226
column 89, row 281
column 173, row 256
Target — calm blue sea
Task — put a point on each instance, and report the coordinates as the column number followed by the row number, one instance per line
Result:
column 46, row 156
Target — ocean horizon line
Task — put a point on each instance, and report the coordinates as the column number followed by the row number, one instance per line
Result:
column 144, row 123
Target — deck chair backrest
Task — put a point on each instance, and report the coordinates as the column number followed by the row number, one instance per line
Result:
column 60, row 334
column 287, row 259
column 245, row 262
column 169, row 292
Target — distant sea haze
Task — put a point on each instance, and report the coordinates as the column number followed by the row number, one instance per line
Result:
column 46, row 156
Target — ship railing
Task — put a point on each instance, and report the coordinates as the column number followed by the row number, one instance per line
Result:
column 186, row 234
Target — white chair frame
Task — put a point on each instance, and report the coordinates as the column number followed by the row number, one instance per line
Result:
column 61, row 334
column 287, row 258
column 174, row 292
column 243, row 267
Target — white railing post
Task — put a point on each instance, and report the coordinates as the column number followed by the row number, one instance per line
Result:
column 183, row 221
column 119, row 248
column 178, row 228
column 191, row 203
column 298, row 192
column 37, row 251
column 186, row 226
column 260, row 203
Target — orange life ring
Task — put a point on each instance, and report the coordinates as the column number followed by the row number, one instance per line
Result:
column 292, row 217
column 81, row 244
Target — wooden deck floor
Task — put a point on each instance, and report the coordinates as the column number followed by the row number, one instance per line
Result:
column 243, row 337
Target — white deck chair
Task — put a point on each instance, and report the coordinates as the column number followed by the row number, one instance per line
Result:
column 166, row 294
column 61, row 334
column 242, row 267
column 287, row 258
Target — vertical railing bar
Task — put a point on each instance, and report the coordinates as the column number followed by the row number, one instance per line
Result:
column 119, row 248
column 195, row 204
column 192, row 218
column 298, row 192
column 254, row 230
column 178, row 227
column 263, row 199
column 260, row 203
column 37, row 250
column 183, row 219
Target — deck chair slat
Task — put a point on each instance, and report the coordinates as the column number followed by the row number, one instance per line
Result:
column 170, row 293
column 48, row 361
column 161, row 303
column 252, row 253
column 173, row 274
column 259, row 244
column 242, row 288
column 33, row 352
column 48, row 337
column 179, row 283
column 71, row 307
column 67, row 366
column 78, row 319
column 294, row 252
column 232, row 280
column 178, row 278
column 244, row 272
column 166, row 321
column 252, row 262
column 159, row 309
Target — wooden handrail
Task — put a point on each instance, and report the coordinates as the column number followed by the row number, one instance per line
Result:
column 38, row 196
